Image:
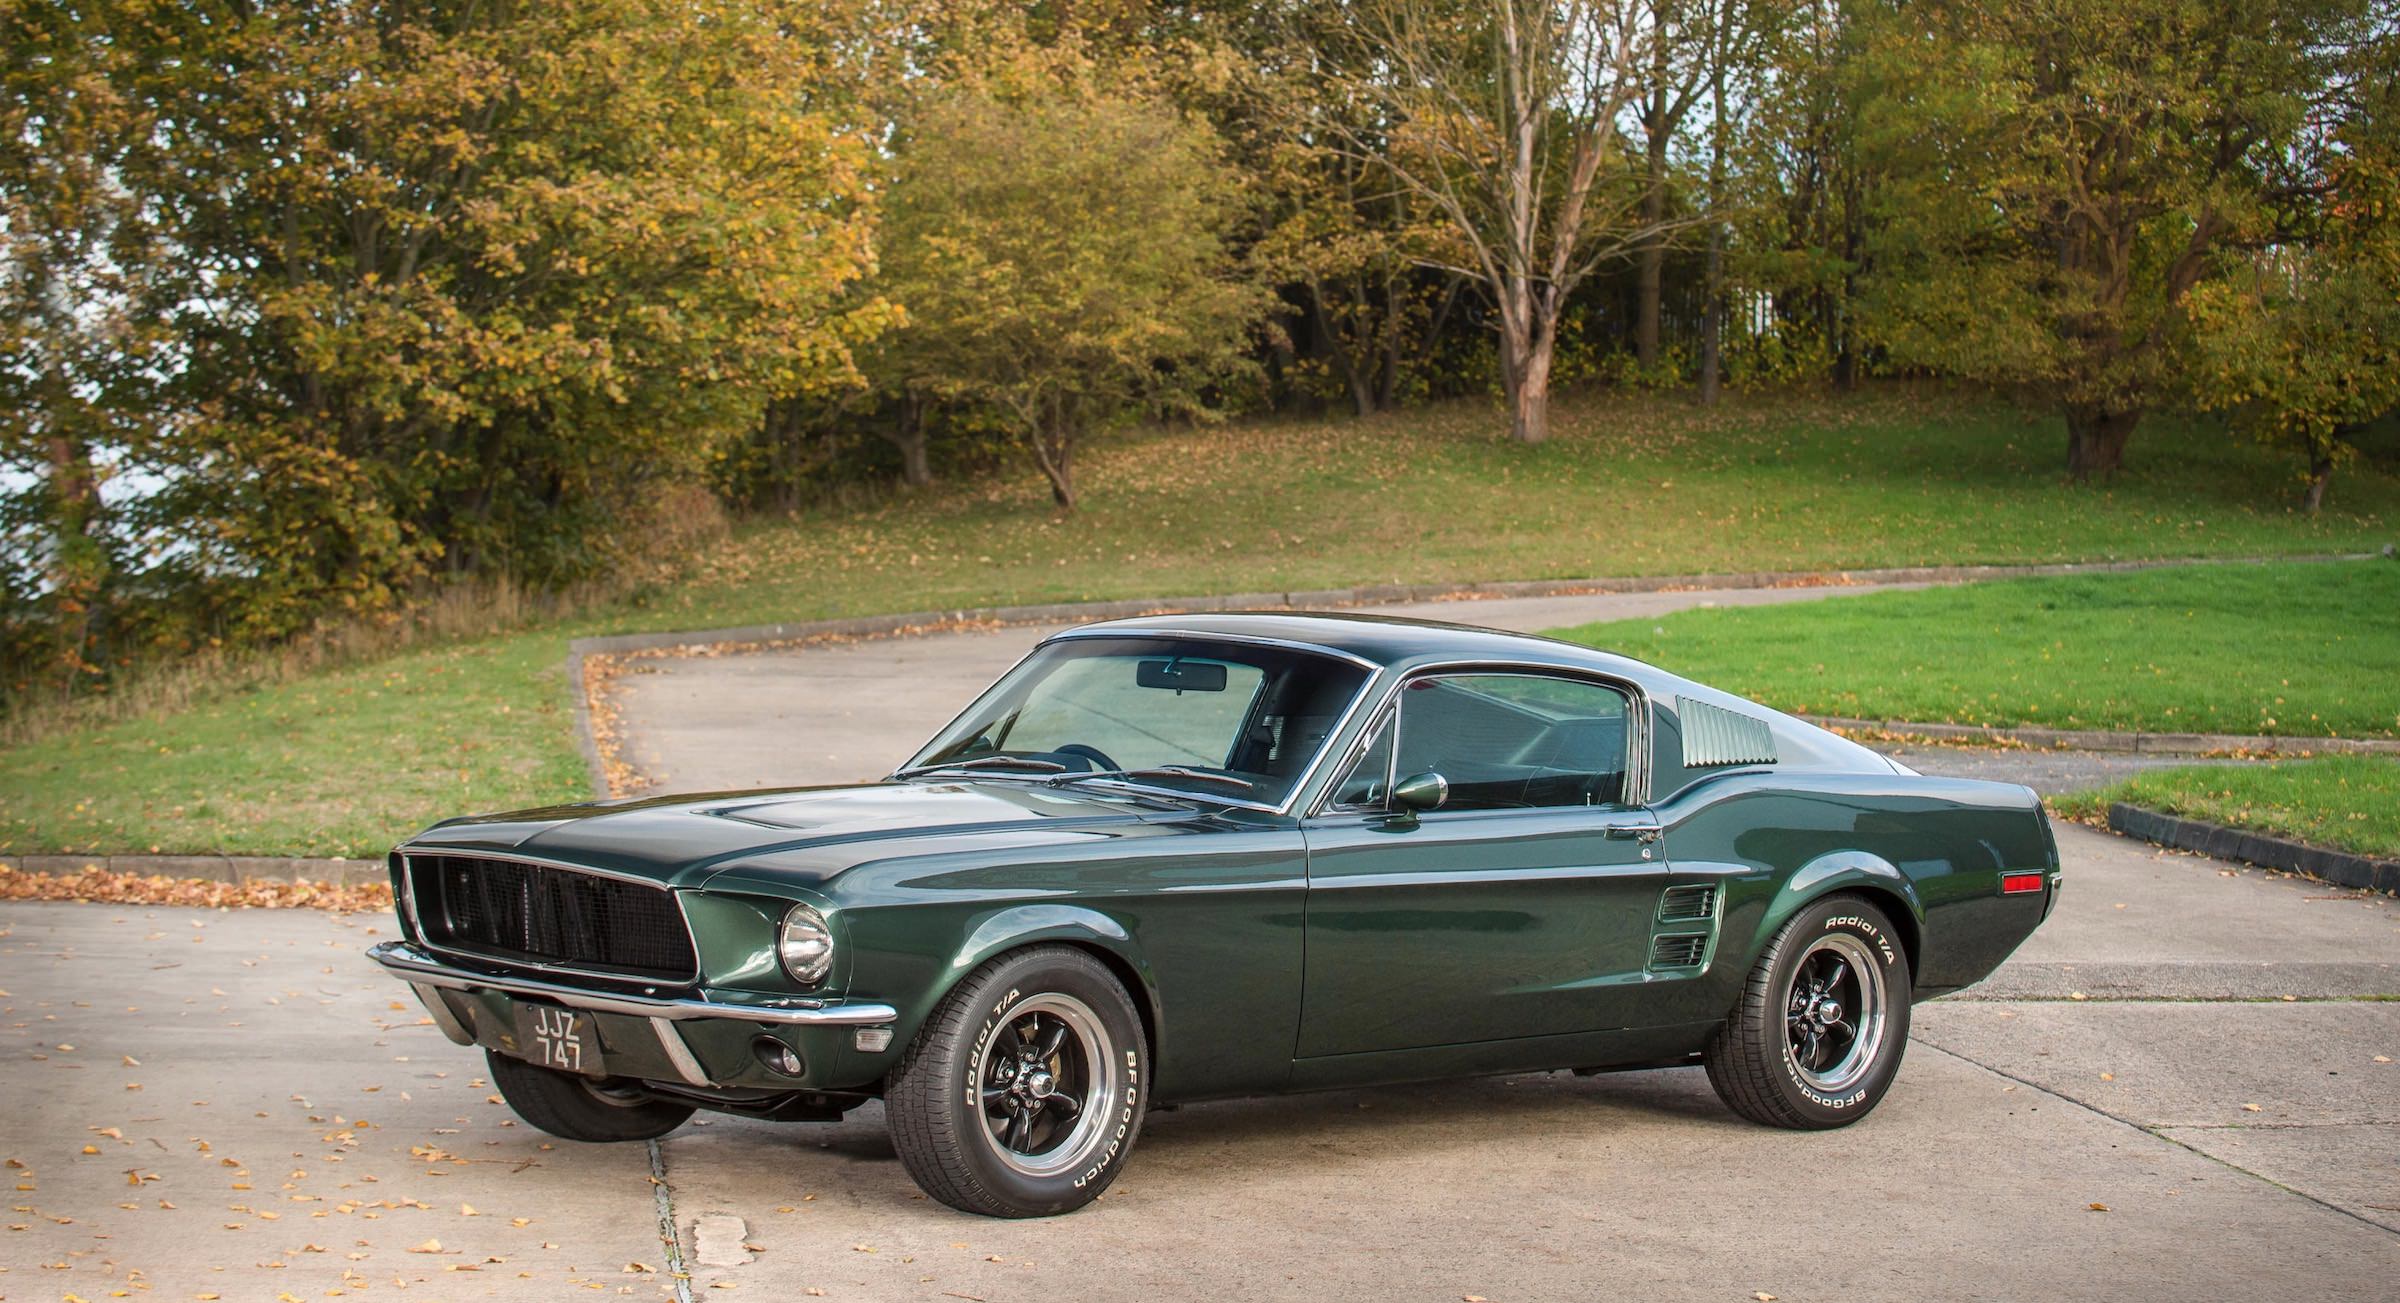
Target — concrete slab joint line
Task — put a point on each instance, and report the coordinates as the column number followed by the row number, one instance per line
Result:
column 2338, row 867
column 678, row 1275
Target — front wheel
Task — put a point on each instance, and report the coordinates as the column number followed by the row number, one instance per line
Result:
column 572, row 1107
column 1025, row 1090
column 1817, row 1035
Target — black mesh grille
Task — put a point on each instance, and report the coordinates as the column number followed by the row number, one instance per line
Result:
column 533, row 913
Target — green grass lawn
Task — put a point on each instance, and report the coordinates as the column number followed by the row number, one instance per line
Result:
column 2349, row 803
column 2291, row 649
column 348, row 761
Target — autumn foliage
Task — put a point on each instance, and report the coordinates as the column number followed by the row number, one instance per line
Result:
column 315, row 314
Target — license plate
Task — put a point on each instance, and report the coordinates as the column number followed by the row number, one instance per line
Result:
column 558, row 1038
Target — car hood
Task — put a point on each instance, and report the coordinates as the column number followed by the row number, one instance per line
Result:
column 682, row 841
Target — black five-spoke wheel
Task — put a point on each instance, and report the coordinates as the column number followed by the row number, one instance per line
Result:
column 1048, row 1076
column 1834, row 1020
column 1818, row 1033
column 1025, row 1089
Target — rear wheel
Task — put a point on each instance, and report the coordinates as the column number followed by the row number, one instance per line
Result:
column 1817, row 1035
column 1025, row 1089
column 574, row 1107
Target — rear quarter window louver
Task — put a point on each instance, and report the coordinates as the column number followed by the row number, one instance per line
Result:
column 1713, row 735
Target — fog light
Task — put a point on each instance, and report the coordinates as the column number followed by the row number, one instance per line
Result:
column 872, row 1040
column 777, row 1057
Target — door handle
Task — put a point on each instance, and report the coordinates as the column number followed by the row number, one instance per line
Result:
column 1630, row 832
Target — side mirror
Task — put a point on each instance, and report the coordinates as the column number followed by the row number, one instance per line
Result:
column 1417, row 793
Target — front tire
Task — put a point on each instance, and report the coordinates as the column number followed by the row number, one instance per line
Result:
column 1025, row 1090
column 1817, row 1035
column 572, row 1107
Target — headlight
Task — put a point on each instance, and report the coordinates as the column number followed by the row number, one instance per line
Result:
column 805, row 946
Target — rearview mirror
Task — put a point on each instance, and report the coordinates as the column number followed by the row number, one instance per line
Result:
column 1181, row 676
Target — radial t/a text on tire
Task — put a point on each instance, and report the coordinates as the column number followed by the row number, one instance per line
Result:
column 1817, row 1034
column 1025, row 1090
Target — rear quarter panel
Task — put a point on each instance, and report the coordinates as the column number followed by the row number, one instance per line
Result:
column 1929, row 852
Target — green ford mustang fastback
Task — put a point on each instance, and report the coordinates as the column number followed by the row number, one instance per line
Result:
column 1177, row 858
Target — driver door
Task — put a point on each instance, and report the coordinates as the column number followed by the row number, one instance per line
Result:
column 1520, row 907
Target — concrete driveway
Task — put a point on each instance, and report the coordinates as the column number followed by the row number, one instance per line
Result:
column 850, row 712
column 238, row 1105
column 2184, row 1085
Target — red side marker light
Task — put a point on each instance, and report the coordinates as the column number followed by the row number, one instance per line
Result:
column 2017, row 884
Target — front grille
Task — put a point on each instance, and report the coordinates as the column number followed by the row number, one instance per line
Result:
column 538, row 914
column 1677, row 951
column 1687, row 904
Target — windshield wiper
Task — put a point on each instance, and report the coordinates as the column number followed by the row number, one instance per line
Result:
column 1160, row 771
column 988, row 762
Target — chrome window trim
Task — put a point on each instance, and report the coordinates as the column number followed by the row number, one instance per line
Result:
column 1200, row 635
column 1637, row 720
column 408, row 879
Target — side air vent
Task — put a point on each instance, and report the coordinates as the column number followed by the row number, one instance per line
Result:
column 1678, row 951
column 1713, row 735
column 1688, row 904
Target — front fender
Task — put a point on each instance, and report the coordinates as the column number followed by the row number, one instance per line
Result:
column 1014, row 927
column 1839, row 871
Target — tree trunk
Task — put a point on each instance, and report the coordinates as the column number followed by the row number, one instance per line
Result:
column 2320, row 470
column 1526, row 349
column 1650, row 267
column 1845, row 357
column 1362, row 398
column 916, row 467
column 2096, row 438
column 1054, row 451
column 1650, row 278
column 79, row 566
column 1712, row 294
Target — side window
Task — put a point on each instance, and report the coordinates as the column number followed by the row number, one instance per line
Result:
column 1367, row 785
column 1515, row 741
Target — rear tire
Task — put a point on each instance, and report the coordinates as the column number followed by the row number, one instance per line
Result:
column 1025, row 1090
column 1817, row 1035
column 574, row 1107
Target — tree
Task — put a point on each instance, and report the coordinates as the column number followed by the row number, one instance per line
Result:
column 1060, row 252
column 1502, row 119
column 76, row 354
column 443, row 290
column 2301, row 342
column 1682, row 39
column 2062, row 173
column 1339, row 235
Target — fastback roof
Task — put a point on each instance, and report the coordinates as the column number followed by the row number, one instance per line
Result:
column 1383, row 639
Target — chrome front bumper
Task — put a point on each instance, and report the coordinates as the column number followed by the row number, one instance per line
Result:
column 428, row 974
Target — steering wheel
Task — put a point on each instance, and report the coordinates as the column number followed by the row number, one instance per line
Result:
column 1098, row 757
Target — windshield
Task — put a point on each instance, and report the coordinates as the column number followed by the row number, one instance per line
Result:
column 1221, row 719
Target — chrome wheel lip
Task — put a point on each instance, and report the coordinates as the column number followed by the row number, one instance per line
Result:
column 1861, row 999
column 1099, row 1094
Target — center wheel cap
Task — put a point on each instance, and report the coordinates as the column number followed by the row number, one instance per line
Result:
column 1829, row 1013
column 1039, row 1084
